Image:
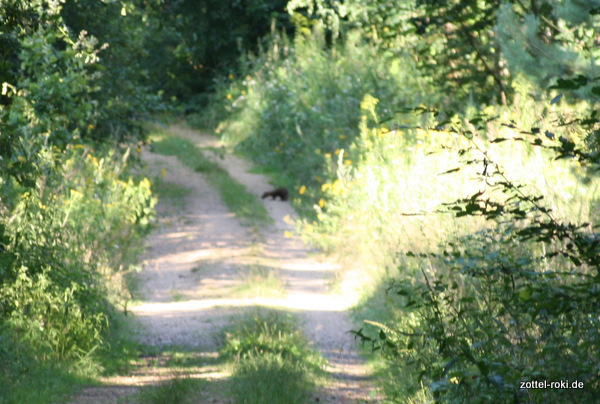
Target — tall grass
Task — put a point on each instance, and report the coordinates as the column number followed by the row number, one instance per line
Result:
column 272, row 361
column 389, row 191
column 386, row 203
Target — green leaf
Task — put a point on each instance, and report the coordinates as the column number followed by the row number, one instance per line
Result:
column 525, row 294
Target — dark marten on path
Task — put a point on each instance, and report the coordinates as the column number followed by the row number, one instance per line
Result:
column 280, row 193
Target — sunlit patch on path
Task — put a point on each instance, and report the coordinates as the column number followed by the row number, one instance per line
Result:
column 200, row 253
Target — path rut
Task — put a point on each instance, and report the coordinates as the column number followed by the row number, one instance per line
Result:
column 199, row 253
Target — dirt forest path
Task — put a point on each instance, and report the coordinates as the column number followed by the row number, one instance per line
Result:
column 200, row 252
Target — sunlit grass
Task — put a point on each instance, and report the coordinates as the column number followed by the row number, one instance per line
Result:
column 259, row 281
column 52, row 382
column 55, row 382
column 387, row 204
column 391, row 201
column 174, row 193
column 272, row 362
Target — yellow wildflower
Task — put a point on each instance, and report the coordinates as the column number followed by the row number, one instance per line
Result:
column 336, row 187
column 76, row 194
column 325, row 187
column 229, row 96
column 231, row 77
column 302, row 189
column 93, row 159
column 322, row 203
column 347, row 162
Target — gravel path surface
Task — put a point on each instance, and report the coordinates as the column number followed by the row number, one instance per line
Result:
column 199, row 253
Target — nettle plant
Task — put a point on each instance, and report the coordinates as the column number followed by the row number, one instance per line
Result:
column 517, row 301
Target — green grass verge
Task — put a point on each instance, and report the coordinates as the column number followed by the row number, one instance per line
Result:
column 237, row 198
column 174, row 193
column 181, row 390
column 272, row 362
column 28, row 376
column 25, row 379
column 183, row 383
column 396, row 380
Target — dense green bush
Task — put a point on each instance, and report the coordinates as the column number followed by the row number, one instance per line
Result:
column 299, row 104
column 62, row 243
column 118, row 80
column 71, row 213
column 510, row 303
column 450, row 41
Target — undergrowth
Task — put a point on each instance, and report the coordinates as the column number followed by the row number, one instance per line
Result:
column 297, row 104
